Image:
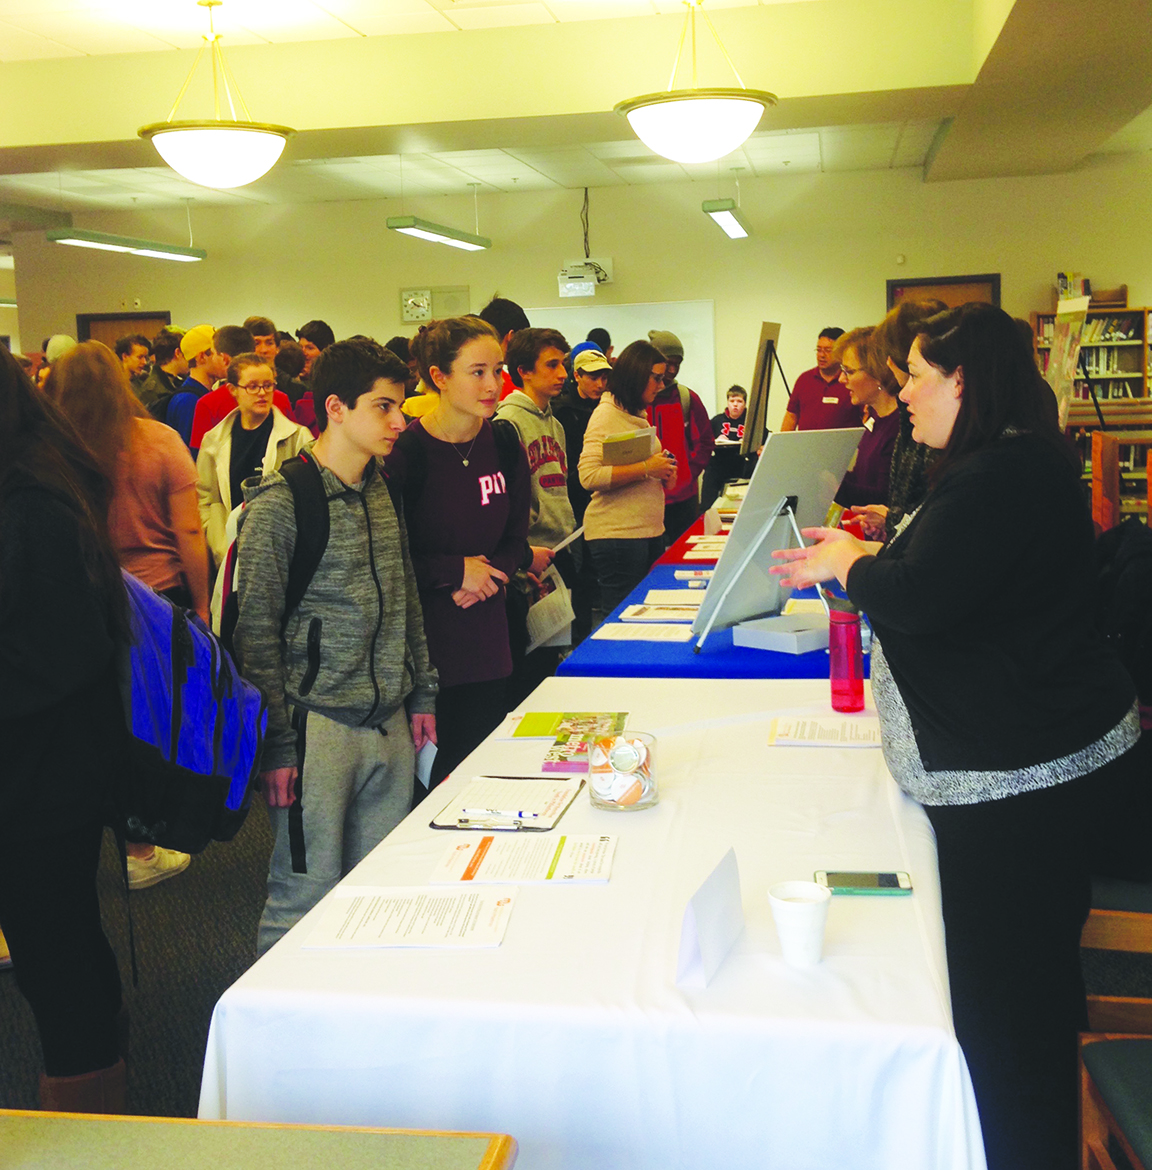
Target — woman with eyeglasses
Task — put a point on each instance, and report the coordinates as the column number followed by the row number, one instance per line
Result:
column 252, row 440
column 873, row 389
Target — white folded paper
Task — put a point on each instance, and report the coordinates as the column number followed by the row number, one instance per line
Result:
column 828, row 731
column 713, row 920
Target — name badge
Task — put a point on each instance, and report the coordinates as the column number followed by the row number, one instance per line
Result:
column 830, row 401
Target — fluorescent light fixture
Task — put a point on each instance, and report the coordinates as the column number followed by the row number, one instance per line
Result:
column 106, row 243
column 423, row 229
column 727, row 217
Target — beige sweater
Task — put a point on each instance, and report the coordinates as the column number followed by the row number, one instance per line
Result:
column 634, row 511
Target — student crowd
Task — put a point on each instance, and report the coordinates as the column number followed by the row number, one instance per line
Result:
column 437, row 477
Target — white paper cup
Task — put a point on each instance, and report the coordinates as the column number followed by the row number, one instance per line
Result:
column 799, row 910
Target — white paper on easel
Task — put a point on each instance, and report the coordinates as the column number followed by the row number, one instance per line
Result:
column 713, row 920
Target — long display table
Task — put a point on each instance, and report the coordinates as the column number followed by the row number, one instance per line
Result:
column 573, row 1034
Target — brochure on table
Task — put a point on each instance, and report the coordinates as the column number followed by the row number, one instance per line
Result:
column 511, row 858
column 860, row 731
column 360, row 917
column 801, row 467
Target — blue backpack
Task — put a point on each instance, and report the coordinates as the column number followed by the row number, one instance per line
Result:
column 196, row 729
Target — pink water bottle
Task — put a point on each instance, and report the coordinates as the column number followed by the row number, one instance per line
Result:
column 846, row 661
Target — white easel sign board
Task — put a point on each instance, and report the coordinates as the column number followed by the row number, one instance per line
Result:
column 806, row 466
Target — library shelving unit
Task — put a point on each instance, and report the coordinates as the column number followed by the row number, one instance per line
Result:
column 1114, row 361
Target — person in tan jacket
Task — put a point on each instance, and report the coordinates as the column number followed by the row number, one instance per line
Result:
column 253, row 439
column 624, row 522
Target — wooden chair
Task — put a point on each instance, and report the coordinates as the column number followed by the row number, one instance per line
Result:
column 1120, row 920
column 1115, row 1102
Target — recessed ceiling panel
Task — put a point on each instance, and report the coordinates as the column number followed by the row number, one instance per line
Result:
column 500, row 16
column 17, row 44
column 89, row 32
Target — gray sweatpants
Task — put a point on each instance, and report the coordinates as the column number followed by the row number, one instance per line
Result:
column 355, row 787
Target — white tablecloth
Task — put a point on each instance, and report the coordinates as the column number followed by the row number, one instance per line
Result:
column 573, row 1035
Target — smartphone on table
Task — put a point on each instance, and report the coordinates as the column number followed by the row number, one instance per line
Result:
column 841, row 882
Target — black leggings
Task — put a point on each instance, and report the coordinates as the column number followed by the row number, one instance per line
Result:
column 1015, row 879
column 466, row 715
column 64, row 967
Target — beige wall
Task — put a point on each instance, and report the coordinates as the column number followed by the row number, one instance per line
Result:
column 822, row 249
column 9, row 323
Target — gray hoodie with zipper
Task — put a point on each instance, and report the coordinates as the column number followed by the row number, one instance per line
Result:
column 354, row 649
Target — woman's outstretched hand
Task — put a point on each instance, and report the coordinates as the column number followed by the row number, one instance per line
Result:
column 832, row 555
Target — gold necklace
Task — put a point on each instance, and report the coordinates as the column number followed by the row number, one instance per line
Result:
column 444, row 434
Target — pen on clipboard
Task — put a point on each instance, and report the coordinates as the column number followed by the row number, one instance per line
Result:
column 487, row 823
column 498, row 812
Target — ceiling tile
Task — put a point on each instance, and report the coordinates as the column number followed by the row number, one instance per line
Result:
column 16, row 44
column 677, row 6
column 399, row 25
column 282, row 21
column 501, row 15
column 89, row 32
column 567, row 11
column 649, row 172
column 354, row 11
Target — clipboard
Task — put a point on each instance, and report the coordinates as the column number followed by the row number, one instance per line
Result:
column 500, row 804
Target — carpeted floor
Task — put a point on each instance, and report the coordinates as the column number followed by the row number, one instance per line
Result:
column 196, row 933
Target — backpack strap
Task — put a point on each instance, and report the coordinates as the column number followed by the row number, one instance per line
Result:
column 685, row 403
column 310, row 500
column 507, row 446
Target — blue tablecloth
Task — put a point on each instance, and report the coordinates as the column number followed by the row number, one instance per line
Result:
column 718, row 659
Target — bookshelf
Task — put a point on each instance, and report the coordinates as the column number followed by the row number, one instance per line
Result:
column 1115, row 359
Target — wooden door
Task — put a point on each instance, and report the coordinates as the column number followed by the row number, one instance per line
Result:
column 110, row 327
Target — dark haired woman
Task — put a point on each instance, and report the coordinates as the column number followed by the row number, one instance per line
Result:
column 62, row 605
column 1003, row 712
column 624, row 521
column 911, row 461
column 467, row 529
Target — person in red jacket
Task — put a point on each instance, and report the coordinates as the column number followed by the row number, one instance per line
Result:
column 684, row 429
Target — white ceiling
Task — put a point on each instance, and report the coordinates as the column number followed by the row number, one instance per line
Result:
column 37, row 29
column 597, row 164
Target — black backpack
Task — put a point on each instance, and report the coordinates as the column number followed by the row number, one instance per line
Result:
column 310, row 503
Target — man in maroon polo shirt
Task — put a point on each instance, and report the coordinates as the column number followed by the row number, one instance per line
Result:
column 819, row 401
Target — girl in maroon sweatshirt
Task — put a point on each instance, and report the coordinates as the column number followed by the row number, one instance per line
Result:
column 467, row 514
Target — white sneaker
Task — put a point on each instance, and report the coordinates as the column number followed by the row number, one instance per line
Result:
column 163, row 864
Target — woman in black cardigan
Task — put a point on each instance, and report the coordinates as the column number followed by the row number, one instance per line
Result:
column 1003, row 712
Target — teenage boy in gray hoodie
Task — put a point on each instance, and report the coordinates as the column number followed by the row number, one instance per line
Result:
column 340, row 670
column 535, row 363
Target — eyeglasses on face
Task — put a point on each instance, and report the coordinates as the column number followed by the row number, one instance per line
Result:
column 258, row 387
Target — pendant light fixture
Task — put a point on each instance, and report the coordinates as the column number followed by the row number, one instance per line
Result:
column 696, row 125
column 217, row 152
